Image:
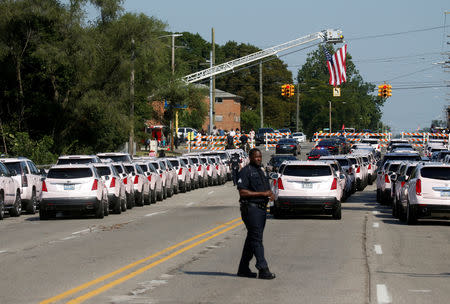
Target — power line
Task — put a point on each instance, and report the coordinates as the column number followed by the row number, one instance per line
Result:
column 399, row 33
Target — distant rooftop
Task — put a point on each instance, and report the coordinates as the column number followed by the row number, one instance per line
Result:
column 220, row 93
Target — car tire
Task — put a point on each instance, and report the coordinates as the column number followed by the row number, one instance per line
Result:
column 32, row 204
column 130, row 201
column 2, row 209
column 117, row 208
column 337, row 213
column 139, row 199
column 123, row 204
column 395, row 208
column 16, row 210
column 153, row 196
column 100, row 212
column 370, row 181
column 159, row 196
column 165, row 193
column 147, row 197
column 170, row 192
column 183, row 187
column 411, row 215
column 106, row 206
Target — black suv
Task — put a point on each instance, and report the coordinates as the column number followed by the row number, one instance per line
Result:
column 260, row 136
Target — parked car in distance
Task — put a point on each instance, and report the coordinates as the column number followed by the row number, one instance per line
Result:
column 260, row 135
column 276, row 160
column 299, row 136
column 77, row 159
column 288, row 145
column 10, row 199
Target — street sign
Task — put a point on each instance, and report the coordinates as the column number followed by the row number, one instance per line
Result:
column 336, row 92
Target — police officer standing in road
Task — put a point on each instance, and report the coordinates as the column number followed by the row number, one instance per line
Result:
column 235, row 160
column 254, row 192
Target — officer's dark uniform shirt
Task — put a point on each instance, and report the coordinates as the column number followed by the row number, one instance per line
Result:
column 235, row 162
column 252, row 178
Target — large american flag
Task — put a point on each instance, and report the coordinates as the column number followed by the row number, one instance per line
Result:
column 336, row 65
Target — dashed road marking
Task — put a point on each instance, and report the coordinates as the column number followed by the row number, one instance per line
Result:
column 383, row 296
column 210, row 192
column 375, row 212
column 3, row 251
column 155, row 213
column 190, row 204
column 420, row 290
column 81, row 231
column 378, row 249
column 376, row 225
column 69, row 238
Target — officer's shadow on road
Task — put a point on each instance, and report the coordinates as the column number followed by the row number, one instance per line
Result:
column 211, row 273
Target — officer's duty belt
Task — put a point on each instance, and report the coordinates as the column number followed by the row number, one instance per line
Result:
column 262, row 206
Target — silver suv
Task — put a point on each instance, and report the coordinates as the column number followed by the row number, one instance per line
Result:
column 29, row 178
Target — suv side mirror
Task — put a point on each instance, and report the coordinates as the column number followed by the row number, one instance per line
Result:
column 274, row 175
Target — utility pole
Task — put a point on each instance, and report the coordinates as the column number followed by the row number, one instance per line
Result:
column 210, row 96
column 298, row 105
column 173, row 73
column 131, row 140
column 261, row 95
column 213, row 60
column 330, row 114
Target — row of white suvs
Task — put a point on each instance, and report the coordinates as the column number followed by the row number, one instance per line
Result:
column 414, row 188
column 106, row 182
column 319, row 186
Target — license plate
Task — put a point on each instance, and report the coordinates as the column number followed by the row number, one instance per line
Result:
column 307, row 185
column 445, row 193
column 69, row 187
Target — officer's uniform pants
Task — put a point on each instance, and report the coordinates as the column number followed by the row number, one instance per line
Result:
column 255, row 220
column 234, row 174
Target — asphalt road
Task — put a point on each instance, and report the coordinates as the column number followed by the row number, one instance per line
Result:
column 186, row 249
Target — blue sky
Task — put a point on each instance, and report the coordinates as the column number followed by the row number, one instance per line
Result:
column 267, row 23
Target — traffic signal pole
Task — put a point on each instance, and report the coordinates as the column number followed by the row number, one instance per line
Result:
column 261, row 94
column 298, row 110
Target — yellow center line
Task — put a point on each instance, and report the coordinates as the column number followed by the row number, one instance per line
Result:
column 104, row 288
column 120, row 270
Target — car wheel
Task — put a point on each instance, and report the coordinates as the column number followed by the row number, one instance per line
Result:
column 276, row 213
column 401, row 213
column 139, row 199
column 2, row 209
column 106, row 206
column 123, row 204
column 337, row 213
column 153, row 196
column 32, row 204
column 130, row 201
column 183, row 187
column 16, row 210
column 100, row 212
column 395, row 208
column 43, row 214
column 159, row 196
column 411, row 215
column 117, row 209
column 165, row 193
column 170, row 192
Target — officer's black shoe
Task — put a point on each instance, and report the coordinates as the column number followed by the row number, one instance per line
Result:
column 265, row 274
column 246, row 273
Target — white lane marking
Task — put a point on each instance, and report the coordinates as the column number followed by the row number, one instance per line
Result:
column 190, row 204
column 378, row 249
column 155, row 213
column 81, row 231
column 3, row 251
column 69, row 238
column 419, row 290
column 376, row 225
column 210, row 192
column 375, row 212
column 383, row 294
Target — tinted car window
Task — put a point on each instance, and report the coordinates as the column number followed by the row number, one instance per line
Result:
column 14, row 166
column 174, row 162
column 66, row 161
column 69, row 173
column 343, row 162
column 119, row 168
column 287, row 141
column 162, row 165
column 353, row 161
column 393, row 167
column 156, row 165
column 442, row 173
column 410, row 170
column 139, row 170
column 129, row 169
column 103, row 171
column 143, row 168
column 319, row 152
column 307, row 171
column 402, row 157
column 117, row 158
column 278, row 160
column 194, row 160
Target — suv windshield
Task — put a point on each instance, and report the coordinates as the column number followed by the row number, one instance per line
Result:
column 442, row 173
column 13, row 166
column 174, row 163
column 69, row 173
column 307, row 171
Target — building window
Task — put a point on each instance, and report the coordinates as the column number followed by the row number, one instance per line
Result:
column 236, row 101
column 219, row 100
column 219, row 118
column 237, row 118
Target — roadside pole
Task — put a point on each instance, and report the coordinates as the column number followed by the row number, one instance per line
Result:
column 267, row 146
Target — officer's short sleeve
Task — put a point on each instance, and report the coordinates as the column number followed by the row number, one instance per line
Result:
column 243, row 179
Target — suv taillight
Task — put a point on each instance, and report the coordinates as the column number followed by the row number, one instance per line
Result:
column 44, row 186
column 95, row 185
column 125, row 180
column 199, row 168
column 136, row 179
column 190, row 169
column 370, row 167
column 180, row 171
column 334, row 184
column 207, row 167
column 358, row 170
column 149, row 178
column 113, row 183
column 217, row 167
column 418, row 187
column 280, row 184
column 386, row 179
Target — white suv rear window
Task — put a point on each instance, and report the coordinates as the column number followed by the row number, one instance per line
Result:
column 307, row 171
column 69, row 173
column 442, row 173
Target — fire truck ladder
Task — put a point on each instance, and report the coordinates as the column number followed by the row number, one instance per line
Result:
column 330, row 36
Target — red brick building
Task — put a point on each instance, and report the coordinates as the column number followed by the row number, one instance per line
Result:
column 227, row 111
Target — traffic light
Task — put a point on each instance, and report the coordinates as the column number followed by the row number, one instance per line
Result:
column 389, row 90
column 380, row 90
column 292, row 90
column 288, row 90
column 283, row 90
column 385, row 90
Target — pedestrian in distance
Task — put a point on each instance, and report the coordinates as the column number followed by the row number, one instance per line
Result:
column 230, row 142
column 235, row 160
column 244, row 141
column 254, row 193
